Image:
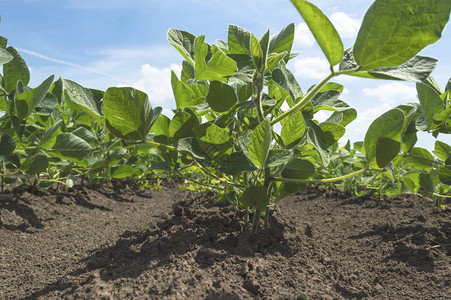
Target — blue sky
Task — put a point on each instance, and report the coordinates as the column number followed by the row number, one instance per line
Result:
column 101, row 43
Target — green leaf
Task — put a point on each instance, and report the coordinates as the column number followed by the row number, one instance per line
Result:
column 298, row 169
column 383, row 138
column 237, row 163
column 27, row 102
column 420, row 159
column 191, row 146
column 277, row 157
column 416, row 69
column 35, row 164
column 128, row 113
column 71, row 147
column 293, row 129
column 7, row 145
column 221, row 97
column 283, row 41
column 426, row 182
column 88, row 99
column 444, row 175
column 239, row 40
column 187, row 95
column 322, row 29
column 333, row 132
column 392, row 32
column 260, row 142
column 343, row 117
column 182, row 125
column 257, row 52
column 442, row 150
column 219, row 67
column 283, row 77
column 15, row 70
column 5, row 56
column 184, row 42
column 214, row 141
column 317, row 138
column 124, row 171
column 431, row 104
column 161, row 126
column 255, row 197
column 50, row 135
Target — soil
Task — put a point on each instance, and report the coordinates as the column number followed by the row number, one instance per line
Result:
column 115, row 241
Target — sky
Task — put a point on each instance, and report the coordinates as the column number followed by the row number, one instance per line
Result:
column 101, row 44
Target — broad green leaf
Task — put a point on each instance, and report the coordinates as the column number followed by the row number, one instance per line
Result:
column 332, row 86
column 416, row 69
column 26, row 102
column 191, row 146
column 260, row 143
column 221, row 97
column 35, row 164
column 328, row 100
column 257, row 52
column 219, row 67
column 283, row 77
column 188, row 72
column 239, row 40
column 332, row 131
column 182, row 125
column 255, row 197
column 161, row 126
column 322, row 29
column 264, row 45
column 5, row 56
column 237, row 163
column 426, row 182
column 7, row 145
column 15, row 70
column 214, row 141
column 383, row 138
column 88, row 99
column 343, row 117
column 71, row 147
column 392, row 32
column 274, row 60
column 184, row 42
column 444, row 174
column 283, row 41
column 298, row 169
column 317, row 138
column 420, row 159
column 431, row 104
column 223, row 46
column 124, row 171
column 3, row 42
column 187, row 95
column 86, row 134
column 442, row 150
column 277, row 157
column 50, row 135
column 293, row 129
column 128, row 113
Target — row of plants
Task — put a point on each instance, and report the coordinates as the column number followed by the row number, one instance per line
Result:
column 231, row 132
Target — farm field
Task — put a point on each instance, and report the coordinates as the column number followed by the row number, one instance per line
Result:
column 115, row 241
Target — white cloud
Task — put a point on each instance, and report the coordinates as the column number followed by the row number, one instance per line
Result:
column 346, row 26
column 311, row 67
column 357, row 129
column 303, row 36
column 156, row 83
column 393, row 93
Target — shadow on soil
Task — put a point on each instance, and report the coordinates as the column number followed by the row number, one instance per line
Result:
column 208, row 236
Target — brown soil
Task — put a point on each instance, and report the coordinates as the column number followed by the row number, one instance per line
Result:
column 117, row 242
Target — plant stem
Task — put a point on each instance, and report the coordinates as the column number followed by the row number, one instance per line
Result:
column 160, row 145
column 326, row 180
column 256, row 220
column 312, row 93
